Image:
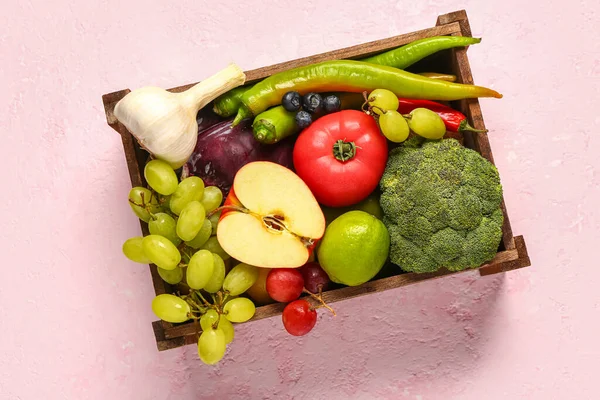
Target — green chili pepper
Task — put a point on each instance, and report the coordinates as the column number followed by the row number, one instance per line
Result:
column 228, row 103
column 351, row 76
column 273, row 125
column 440, row 76
column 410, row 53
column 354, row 101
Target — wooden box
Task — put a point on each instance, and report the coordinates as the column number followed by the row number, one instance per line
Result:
column 512, row 253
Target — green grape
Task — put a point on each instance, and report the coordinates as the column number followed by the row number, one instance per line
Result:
column 228, row 299
column 161, row 251
column 161, row 177
column 212, row 198
column 190, row 220
column 394, row 126
column 189, row 189
column 239, row 310
column 172, row 276
column 426, row 123
column 170, row 308
column 214, row 220
column 211, row 346
column 142, row 200
column 210, row 317
column 132, row 248
column 212, row 245
column 200, row 269
column 215, row 282
column 164, row 225
column 202, row 236
column 227, row 327
column 383, row 99
column 240, row 278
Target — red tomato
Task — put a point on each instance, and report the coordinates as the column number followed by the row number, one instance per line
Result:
column 341, row 157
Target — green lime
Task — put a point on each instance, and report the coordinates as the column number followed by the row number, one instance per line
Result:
column 354, row 248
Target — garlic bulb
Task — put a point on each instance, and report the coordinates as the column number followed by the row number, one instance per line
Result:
column 164, row 123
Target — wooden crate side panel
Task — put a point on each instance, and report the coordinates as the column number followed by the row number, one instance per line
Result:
column 162, row 343
column 509, row 265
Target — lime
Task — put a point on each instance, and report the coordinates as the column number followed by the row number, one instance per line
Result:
column 354, row 248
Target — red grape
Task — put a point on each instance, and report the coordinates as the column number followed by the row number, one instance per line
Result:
column 284, row 284
column 314, row 277
column 298, row 318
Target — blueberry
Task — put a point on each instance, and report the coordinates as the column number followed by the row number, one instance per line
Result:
column 291, row 101
column 332, row 104
column 313, row 102
column 303, row 119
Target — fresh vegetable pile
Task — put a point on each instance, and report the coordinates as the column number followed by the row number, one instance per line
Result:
column 281, row 190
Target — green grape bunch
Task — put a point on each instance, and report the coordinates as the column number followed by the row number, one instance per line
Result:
column 383, row 105
column 182, row 218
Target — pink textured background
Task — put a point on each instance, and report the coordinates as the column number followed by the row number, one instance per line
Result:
column 75, row 315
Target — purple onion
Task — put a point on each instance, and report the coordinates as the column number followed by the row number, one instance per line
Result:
column 222, row 150
column 206, row 118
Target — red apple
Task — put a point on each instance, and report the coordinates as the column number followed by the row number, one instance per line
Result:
column 275, row 221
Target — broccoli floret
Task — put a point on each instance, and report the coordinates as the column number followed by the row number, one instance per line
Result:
column 441, row 204
column 445, row 246
column 465, row 209
column 404, row 252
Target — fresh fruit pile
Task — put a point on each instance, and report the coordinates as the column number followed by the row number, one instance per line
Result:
column 304, row 194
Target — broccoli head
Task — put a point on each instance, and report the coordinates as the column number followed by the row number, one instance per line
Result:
column 441, row 205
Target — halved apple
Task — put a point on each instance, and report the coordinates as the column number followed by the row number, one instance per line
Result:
column 271, row 219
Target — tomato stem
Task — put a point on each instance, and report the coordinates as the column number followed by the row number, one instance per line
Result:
column 344, row 151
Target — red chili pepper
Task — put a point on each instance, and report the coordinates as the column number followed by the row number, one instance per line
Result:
column 454, row 120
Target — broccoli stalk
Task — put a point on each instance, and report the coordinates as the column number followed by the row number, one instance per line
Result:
column 441, row 205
